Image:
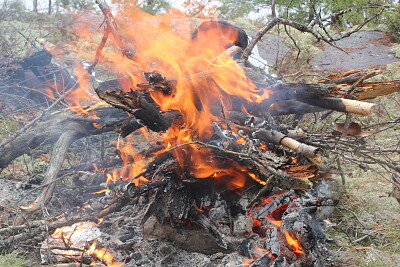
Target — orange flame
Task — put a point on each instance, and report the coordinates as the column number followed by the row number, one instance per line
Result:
column 255, row 178
column 277, row 223
column 101, row 191
column 206, row 78
column 294, row 160
column 133, row 163
column 240, row 141
column 103, row 255
column 293, row 242
column 80, row 96
column 50, row 93
column 69, row 233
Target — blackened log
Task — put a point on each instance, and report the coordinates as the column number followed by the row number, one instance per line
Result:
column 128, row 126
column 287, row 91
column 133, row 191
column 246, row 119
column 157, row 163
column 158, row 82
column 137, row 105
column 280, row 200
column 287, row 107
column 245, row 247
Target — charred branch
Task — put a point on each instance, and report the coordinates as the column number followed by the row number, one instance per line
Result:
column 138, row 106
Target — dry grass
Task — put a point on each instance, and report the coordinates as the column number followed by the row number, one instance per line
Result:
column 368, row 221
column 12, row 259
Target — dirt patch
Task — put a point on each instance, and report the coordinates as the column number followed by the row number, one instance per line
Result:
column 386, row 39
column 364, row 50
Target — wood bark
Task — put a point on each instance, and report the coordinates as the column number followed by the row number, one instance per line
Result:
column 371, row 90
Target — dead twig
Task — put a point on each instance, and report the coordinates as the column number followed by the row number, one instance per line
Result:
column 99, row 49
column 112, row 26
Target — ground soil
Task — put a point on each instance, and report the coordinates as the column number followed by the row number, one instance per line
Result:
column 365, row 49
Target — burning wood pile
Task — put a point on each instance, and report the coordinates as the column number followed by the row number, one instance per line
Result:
column 225, row 178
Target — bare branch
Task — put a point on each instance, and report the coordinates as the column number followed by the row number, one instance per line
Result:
column 359, row 27
column 302, row 28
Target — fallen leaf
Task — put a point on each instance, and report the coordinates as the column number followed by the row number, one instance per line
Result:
column 354, row 130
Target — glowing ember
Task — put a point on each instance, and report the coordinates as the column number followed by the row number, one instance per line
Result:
column 247, row 262
column 240, row 141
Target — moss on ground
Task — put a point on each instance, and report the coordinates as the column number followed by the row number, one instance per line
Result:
column 395, row 50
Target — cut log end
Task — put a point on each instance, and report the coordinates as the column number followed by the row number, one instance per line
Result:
column 358, row 107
